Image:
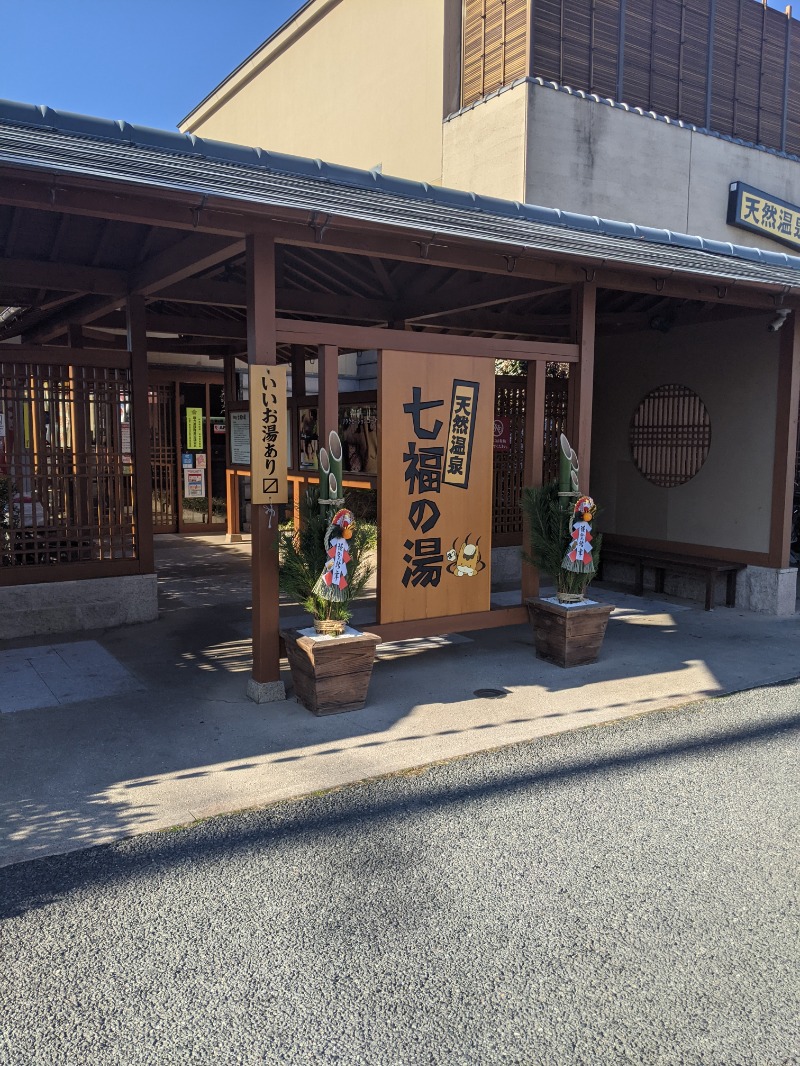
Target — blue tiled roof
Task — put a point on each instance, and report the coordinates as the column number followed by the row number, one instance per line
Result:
column 40, row 137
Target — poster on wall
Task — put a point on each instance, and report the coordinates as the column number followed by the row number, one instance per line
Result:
column 125, row 443
column 194, row 429
column 502, row 434
column 194, row 484
column 240, row 438
column 435, row 484
column 268, row 434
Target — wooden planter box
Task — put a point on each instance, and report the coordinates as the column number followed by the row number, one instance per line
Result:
column 331, row 675
column 568, row 636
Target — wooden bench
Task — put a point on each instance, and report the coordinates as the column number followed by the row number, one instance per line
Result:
column 675, row 562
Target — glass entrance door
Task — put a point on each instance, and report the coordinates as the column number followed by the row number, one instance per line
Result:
column 201, row 489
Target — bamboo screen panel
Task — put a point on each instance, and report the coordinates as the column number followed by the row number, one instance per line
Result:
column 670, row 435
column 495, row 46
column 66, row 465
column 509, row 466
column 730, row 65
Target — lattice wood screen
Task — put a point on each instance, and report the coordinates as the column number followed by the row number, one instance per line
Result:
column 66, row 465
column 730, row 65
column 670, row 435
column 508, row 466
column 163, row 456
column 495, row 46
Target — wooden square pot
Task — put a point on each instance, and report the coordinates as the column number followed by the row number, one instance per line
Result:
column 568, row 636
column 330, row 675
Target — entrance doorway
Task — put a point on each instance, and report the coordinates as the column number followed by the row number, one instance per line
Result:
column 188, row 452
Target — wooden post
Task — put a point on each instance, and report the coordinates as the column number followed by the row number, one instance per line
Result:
column 786, row 443
column 142, row 472
column 79, row 422
column 298, row 356
column 534, row 456
column 581, row 381
column 233, row 530
column 233, row 525
column 298, row 370
column 328, row 402
column 265, row 686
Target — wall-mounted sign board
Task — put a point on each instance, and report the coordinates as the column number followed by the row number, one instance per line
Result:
column 762, row 213
column 240, row 438
column 436, row 417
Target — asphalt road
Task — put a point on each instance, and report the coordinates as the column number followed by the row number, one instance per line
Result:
column 625, row 894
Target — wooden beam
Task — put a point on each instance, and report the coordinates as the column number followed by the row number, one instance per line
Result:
column 213, row 348
column 786, row 443
column 53, row 356
column 581, row 382
column 66, row 277
column 478, row 296
column 363, row 338
column 493, row 322
column 78, row 313
column 142, row 475
column 223, row 328
column 262, row 351
column 344, row 307
column 457, row 623
column 206, row 291
column 289, row 301
column 181, row 260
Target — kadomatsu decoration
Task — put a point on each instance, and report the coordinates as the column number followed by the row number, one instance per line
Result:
column 569, row 630
column 560, row 539
column 324, row 564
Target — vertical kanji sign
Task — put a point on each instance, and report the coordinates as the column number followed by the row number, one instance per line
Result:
column 435, row 485
column 268, row 434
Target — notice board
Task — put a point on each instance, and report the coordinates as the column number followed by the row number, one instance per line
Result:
column 436, row 425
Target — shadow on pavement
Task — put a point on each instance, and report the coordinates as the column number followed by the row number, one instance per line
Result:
column 33, row 885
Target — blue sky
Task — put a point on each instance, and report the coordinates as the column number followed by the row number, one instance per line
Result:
column 146, row 61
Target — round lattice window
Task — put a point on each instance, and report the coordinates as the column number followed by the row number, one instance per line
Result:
column 670, row 435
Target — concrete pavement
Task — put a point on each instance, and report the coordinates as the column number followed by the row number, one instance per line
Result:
column 176, row 740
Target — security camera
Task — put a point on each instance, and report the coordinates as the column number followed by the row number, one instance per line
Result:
column 779, row 319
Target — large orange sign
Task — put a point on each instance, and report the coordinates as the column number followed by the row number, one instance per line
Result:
column 435, row 486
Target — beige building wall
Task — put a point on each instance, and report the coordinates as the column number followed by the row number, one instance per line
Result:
column 358, row 82
column 599, row 160
column 733, row 367
column 484, row 148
